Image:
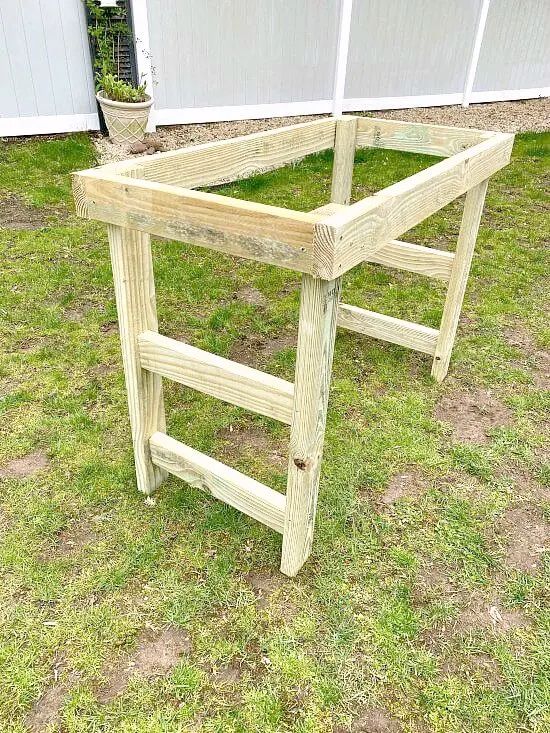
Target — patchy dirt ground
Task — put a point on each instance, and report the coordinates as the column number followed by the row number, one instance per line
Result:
column 26, row 466
column 525, row 535
column 410, row 484
column 253, row 441
column 155, row 655
column 472, row 415
column 15, row 213
column 254, row 350
column 264, row 584
column 374, row 720
column 46, row 711
column 522, row 116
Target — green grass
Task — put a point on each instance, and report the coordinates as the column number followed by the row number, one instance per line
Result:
column 353, row 630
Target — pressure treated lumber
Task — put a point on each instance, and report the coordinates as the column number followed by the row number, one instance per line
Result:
column 223, row 161
column 473, row 208
column 344, row 154
column 416, row 137
column 348, row 237
column 396, row 331
column 135, row 299
column 414, row 258
column 403, row 255
column 218, row 377
column 234, row 488
column 316, row 334
column 260, row 232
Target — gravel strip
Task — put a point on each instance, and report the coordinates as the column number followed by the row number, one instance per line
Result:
column 531, row 115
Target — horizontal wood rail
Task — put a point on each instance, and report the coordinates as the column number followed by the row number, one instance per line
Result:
column 353, row 234
column 412, row 335
column 228, row 160
column 414, row 258
column 234, row 488
column 218, row 377
column 403, row 255
column 416, row 137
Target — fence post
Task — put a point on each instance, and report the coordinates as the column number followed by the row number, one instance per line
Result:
column 143, row 52
column 342, row 57
column 476, row 50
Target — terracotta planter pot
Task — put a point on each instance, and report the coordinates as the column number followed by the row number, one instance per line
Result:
column 126, row 121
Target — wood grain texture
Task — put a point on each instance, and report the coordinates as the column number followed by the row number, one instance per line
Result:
column 255, row 231
column 223, row 161
column 316, row 333
column 396, row 331
column 414, row 258
column 344, row 155
column 218, row 377
column 473, row 208
column 135, row 299
column 417, row 137
column 234, row 488
column 352, row 236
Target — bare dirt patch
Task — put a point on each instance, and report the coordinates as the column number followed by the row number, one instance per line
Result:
column 252, row 440
column 252, row 296
column 155, row 655
column 480, row 665
column 254, row 350
column 264, row 584
column 480, row 614
column 15, row 213
column 229, row 674
column 26, row 466
column 472, row 415
column 433, row 581
column 521, row 339
column 526, row 534
column 375, row 720
column 73, row 539
column 46, row 711
column 410, row 484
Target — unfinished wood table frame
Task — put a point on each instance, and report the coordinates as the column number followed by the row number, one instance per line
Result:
column 154, row 195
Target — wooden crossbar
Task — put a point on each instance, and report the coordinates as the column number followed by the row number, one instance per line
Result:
column 234, row 488
column 412, row 335
column 404, row 255
column 218, row 377
column 416, row 137
column 352, row 235
column 414, row 258
column 222, row 161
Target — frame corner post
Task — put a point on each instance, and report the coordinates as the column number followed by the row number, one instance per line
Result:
column 471, row 217
column 135, row 298
column 344, row 155
column 316, row 335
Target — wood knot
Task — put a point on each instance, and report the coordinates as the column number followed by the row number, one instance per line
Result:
column 301, row 463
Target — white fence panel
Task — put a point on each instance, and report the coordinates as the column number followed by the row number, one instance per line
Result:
column 515, row 54
column 400, row 49
column 47, row 83
column 235, row 53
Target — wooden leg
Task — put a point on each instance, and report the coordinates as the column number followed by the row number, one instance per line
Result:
column 318, row 313
column 344, row 154
column 135, row 298
column 471, row 217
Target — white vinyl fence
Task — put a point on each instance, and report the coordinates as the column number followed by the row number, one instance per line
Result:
column 210, row 60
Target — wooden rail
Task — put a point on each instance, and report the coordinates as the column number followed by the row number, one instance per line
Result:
column 218, row 377
column 413, row 335
column 234, row 488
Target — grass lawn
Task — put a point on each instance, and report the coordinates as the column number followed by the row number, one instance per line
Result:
column 422, row 605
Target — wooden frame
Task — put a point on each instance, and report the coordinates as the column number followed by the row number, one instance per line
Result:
column 155, row 195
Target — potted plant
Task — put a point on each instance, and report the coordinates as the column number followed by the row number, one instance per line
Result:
column 125, row 105
column 125, row 108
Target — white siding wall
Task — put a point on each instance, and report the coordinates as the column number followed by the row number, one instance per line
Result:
column 233, row 59
column 516, row 46
column 236, row 52
column 46, row 79
column 400, row 48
